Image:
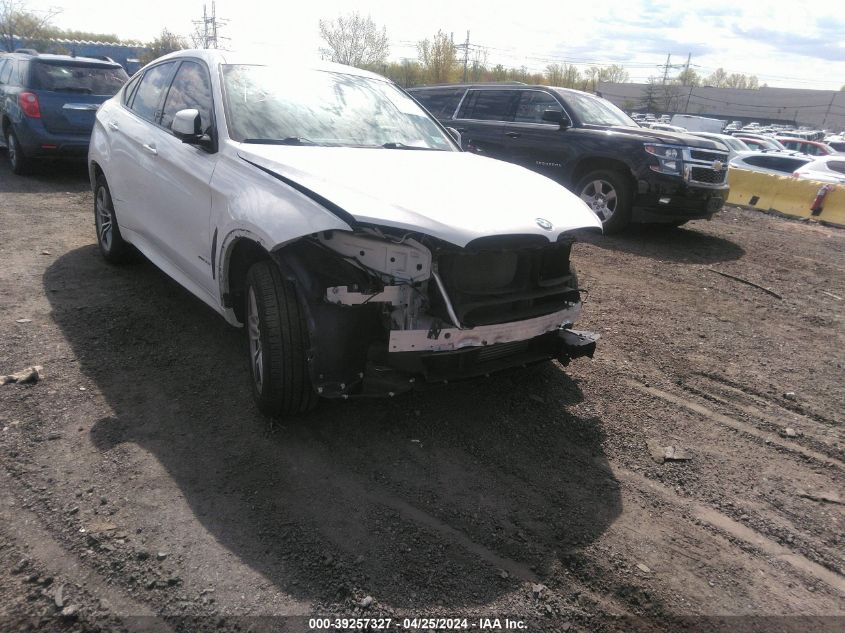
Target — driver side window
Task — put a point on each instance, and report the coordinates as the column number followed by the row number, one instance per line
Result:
column 532, row 104
column 190, row 89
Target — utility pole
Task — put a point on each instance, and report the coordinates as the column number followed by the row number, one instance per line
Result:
column 829, row 106
column 206, row 29
column 666, row 68
column 687, row 78
column 466, row 57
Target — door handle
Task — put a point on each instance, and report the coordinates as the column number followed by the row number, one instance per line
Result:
column 113, row 125
column 513, row 134
column 150, row 148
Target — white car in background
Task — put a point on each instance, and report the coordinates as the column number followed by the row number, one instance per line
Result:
column 341, row 225
column 775, row 163
column 823, row 169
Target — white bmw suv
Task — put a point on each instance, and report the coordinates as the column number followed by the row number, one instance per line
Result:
column 326, row 212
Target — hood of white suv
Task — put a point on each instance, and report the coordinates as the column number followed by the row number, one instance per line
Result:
column 454, row 196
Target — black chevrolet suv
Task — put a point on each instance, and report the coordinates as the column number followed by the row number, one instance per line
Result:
column 625, row 173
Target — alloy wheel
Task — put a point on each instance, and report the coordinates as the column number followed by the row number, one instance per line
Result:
column 601, row 197
column 104, row 218
column 12, row 149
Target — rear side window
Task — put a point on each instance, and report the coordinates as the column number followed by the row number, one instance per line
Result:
column 149, row 93
column 91, row 80
column 489, row 105
column 837, row 166
column 778, row 163
column 769, row 162
column 129, row 92
column 441, row 103
column 190, row 89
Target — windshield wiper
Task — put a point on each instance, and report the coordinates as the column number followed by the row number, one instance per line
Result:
column 290, row 140
column 398, row 145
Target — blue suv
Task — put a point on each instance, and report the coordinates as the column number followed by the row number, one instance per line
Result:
column 48, row 103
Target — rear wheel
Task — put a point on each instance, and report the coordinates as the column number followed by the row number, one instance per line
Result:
column 608, row 194
column 277, row 343
column 19, row 161
column 113, row 247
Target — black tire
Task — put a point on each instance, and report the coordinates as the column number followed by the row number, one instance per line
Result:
column 19, row 162
column 613, row 184
column 113, row 247
column 281, row 384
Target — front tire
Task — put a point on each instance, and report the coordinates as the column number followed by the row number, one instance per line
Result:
column 19, row 162
column 608, row 194
column 113, row 247
column 277, row 343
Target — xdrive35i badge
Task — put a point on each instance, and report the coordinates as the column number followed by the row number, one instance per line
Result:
column 543, row 224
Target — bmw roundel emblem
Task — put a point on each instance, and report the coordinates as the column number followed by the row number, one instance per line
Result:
column 543, row 224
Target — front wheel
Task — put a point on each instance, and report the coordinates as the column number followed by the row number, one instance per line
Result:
column 277, row 343
column 608, row 194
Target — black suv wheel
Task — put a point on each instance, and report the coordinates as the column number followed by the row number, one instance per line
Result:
column 608, row 193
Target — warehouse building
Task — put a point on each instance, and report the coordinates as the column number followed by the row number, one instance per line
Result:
column 127, row 54
column 822, row 109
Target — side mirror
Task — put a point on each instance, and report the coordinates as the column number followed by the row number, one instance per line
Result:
column 187, row 127
column 555, row 116
column 455, row 135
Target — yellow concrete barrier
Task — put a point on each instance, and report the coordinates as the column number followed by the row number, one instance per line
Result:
column 786, row 195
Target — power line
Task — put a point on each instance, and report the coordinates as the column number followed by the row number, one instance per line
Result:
column 206, row 29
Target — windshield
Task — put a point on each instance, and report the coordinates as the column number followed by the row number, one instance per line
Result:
column 266, row 105
column 92, row 80
column 595, row 111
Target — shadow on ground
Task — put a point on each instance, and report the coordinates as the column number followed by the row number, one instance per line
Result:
column 423, row 499
column 45, row 177
column 688, row 244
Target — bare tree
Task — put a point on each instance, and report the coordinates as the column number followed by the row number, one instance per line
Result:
column 165, row 43
column 688, row 77
column 614, row 74
column 354, row 40
column 719, row 79
column 554, row 74
column 478, row 65
column 17, row 22
column 649, row 99
column 438, row 57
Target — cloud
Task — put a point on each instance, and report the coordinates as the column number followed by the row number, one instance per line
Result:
column 824, row 46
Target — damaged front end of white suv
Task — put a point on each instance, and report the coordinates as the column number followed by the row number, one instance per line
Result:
column 391, row 310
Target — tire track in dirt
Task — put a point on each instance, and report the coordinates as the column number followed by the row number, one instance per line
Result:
column 737, row 425
column 743, row 533
column 25, row 527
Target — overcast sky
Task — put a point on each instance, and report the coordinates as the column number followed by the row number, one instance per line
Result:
column 792, row 43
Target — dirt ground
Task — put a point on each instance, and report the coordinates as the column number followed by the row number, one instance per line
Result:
column 140, row 490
